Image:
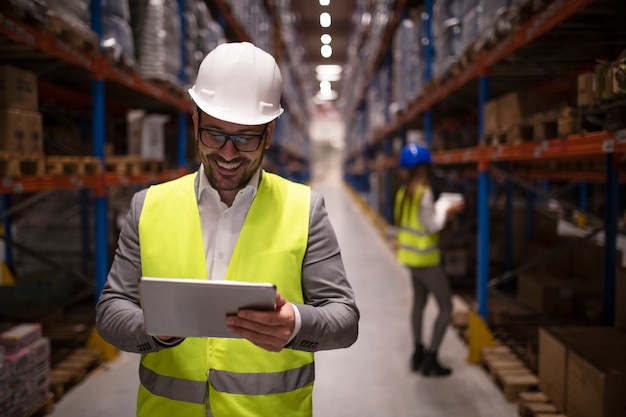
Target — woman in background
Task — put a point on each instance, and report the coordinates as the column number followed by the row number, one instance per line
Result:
column 418, row 249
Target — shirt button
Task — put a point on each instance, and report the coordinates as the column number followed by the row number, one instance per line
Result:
column 220, row 255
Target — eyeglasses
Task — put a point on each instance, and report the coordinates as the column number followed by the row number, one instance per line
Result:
column 243, row 143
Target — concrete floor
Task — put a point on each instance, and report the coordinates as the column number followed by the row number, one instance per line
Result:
column 369, row 379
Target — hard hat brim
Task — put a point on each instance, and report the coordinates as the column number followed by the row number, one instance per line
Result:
column 228, row 116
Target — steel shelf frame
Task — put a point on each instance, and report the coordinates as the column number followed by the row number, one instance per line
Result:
column 99, row 69
column 609, row 146
column 554, row 14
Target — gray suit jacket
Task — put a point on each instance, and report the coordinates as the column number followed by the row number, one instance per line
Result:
column 329, row 313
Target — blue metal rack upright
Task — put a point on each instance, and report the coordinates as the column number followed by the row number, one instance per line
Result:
column 182, row 115
column 99, row 133
column 99, row 138
column 482, row 259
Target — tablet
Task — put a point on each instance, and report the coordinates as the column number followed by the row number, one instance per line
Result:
column 198, row 308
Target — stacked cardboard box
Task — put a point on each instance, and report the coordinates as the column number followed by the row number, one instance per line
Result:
column 582, row 370
column 24, row 370
column 20, row 122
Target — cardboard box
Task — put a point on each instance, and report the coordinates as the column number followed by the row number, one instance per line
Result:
column 557, row 343
column 552, row 367
column 12, row 130
column 545, row 294
column 21, row 131
column 18, row 88
column 587, row 89
column 596, row 383
column 33, row 141
column 514, row 107
column 491, row 117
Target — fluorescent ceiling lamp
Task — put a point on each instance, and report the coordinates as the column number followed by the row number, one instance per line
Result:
column 328, row 96
column 324, row 2
column 326, row 39
column 325, row 20
column 328, row 72
column 328, row 77
column 325, row 87
column 328, row 69
column 326, row 51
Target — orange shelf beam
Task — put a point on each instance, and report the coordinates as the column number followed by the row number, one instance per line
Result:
column 555, row 13
column 571, row 147
column 35, row 183
column 98, row 65
column 27, row 35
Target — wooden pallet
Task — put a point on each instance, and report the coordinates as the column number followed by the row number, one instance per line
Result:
column 73, row 370
column 513, row 135
column 152, row 166
column 515, row 383
column 124, row 165
column 45, row 407
column 507, row 371
column 19, row 165
column 72, row 165
column 536, row 404
column 554, row 124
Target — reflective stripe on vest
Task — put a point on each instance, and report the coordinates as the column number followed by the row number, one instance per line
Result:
column 244, row 380
column 262, row 384
column 231, row 382
column 174, row 388
column 416, row 246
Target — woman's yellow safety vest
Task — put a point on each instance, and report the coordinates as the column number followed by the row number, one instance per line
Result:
column 417, row 247
column 215, row 376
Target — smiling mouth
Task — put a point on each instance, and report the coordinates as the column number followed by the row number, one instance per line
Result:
column 228, row 165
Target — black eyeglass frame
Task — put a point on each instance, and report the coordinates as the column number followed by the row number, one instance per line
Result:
column 233, row 138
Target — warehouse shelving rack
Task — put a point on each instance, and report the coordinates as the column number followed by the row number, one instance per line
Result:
column 90, row 79
column 490, row 71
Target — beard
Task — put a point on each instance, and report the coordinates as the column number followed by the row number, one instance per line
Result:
column 229, row 182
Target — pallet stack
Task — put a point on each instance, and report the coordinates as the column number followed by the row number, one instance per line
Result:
column 21, row 137
column 24, row 371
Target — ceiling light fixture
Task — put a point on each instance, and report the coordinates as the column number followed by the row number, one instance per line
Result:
column 326, row 39
column 324, row 2
column 328, row 72
column 325, row 87
column 326, row 51
column 328, row 69
column 325, row 20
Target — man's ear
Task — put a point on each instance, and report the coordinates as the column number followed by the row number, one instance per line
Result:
column 268, row 134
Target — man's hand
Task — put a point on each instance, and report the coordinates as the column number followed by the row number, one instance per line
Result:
column 269, row 330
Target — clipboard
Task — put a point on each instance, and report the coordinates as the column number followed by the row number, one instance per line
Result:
column 198, row 308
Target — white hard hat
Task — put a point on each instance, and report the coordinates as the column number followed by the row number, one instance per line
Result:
column 239, row 83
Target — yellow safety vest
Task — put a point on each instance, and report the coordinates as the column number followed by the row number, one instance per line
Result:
column 227, row 377
column 416, row 247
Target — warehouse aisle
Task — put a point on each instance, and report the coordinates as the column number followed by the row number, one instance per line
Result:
column 371, row 378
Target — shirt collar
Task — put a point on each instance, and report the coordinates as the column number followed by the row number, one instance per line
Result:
column 204, row 185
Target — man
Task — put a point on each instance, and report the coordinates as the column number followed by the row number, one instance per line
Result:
column 232, row 220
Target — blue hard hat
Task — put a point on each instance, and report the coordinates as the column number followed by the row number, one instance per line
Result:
column 413, row 154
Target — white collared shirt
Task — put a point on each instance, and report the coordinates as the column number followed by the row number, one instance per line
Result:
column 221, row 226
column 430, row 218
